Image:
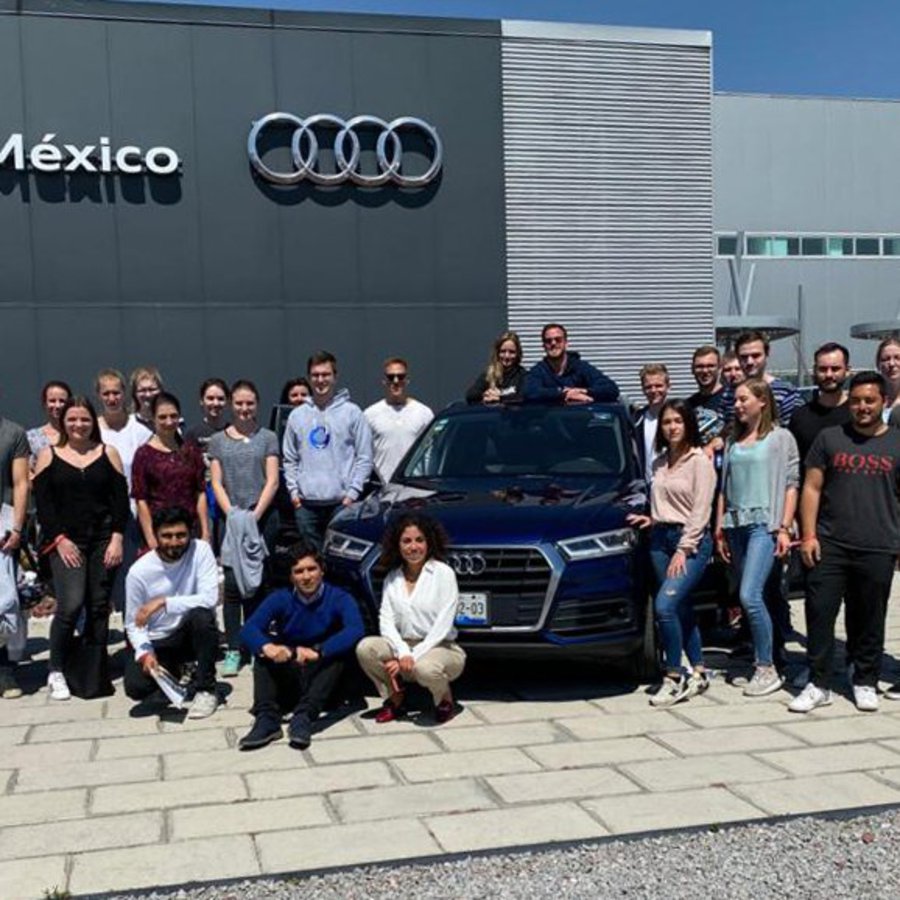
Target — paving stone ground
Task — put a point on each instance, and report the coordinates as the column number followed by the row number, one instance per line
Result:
column 96, row 798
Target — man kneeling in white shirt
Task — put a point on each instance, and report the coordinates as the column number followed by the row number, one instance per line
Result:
column 170, row 600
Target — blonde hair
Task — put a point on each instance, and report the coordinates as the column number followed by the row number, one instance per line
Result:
column 139, row 374
column 760, row 389
column 494, row 371
column 653, row 369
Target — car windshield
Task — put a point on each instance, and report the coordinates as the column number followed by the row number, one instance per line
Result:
column 521, row 441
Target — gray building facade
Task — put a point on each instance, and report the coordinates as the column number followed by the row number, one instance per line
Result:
column 576, row 185
column 812, row 183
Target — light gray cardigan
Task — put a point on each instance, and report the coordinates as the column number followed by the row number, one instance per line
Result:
column 784, row 472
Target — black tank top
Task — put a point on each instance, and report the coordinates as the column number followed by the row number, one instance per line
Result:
column 86, row 505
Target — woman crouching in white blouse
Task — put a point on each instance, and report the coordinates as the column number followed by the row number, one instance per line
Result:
column 418, row 611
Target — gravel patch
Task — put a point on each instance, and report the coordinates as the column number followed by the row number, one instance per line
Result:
column 801, row 858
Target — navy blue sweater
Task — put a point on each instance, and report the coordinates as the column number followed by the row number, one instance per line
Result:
column 544, row 385
column 332, row 622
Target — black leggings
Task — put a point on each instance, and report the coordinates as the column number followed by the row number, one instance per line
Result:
column 87, row 586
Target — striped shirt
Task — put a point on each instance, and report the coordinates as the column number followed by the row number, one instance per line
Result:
column 787, row 399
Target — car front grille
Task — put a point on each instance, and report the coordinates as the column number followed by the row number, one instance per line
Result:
column 515, row 579
column 574, row 617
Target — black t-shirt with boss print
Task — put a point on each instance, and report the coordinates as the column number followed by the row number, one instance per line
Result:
column 859, row 507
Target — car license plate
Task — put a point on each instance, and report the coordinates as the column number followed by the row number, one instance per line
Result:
column 472, row 609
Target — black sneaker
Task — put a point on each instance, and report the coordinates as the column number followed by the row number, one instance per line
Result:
column 264, row 731
column 300, row 731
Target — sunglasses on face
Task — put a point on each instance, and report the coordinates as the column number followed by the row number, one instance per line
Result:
column 552, row 341
column 395, row 379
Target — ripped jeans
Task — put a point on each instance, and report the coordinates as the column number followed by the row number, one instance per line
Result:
column 674, row 606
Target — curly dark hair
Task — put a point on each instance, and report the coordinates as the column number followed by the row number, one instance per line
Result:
column 435, row 537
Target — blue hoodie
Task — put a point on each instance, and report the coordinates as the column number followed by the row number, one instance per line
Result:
column 327, row 452
column 544, row 385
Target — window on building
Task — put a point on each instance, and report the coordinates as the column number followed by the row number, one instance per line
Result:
column 773, row 246
column 727, row 245
column 776, row 246
column 840, row 246
column 812, row 246
column 867, row 246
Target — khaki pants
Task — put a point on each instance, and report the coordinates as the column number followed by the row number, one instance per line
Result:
column 434, row 671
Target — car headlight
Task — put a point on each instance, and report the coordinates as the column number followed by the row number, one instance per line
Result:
column 595, row 546
column 346, row 546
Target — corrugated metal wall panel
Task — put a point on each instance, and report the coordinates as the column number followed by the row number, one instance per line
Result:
column 609, row 199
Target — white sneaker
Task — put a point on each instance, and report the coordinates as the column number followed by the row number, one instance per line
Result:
column 865, row 697
column 670, row 692
column 56, row 684
column 697, row 683
column 809, row 699
column 204, row 704
column 766, row 680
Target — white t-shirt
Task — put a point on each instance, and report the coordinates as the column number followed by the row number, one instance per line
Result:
column 127, row 440
column 394, row 430
column 651, row 423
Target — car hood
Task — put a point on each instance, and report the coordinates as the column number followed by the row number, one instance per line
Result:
column 525, row 510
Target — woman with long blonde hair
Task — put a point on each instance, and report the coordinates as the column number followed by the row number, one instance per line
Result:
column 504, row 378
column 755, row 514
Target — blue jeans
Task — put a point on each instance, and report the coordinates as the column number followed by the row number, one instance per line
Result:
column 678, row 629
column 753, row 555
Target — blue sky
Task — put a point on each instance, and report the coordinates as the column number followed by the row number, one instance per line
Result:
column 828, row 47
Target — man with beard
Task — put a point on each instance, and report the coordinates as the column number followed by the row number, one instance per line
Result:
column 829, row 406
column 170, row 602
column 708, row 401
column 752, row 349
column 562, row 376
column 850, row 515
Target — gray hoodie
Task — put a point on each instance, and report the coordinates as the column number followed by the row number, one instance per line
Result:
column 327, row 452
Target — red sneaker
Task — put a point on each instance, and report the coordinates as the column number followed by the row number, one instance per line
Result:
column 445, row 711
column 389, row 712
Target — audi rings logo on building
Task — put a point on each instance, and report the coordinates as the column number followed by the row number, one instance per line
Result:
column 467, row 563
column 306, row 142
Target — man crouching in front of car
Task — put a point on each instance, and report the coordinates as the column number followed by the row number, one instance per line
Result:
column 299, row 637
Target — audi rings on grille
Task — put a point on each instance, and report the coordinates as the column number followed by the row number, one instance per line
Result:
column 347, row 150
column 467, row 563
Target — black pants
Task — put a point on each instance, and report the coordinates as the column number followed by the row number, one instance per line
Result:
column 863, row 581
column 89, row 586
column 280, row 688
column 196, row 639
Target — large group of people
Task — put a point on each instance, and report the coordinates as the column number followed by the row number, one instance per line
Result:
column 136, row 510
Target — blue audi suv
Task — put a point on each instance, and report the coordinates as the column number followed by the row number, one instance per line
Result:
column 534, row 500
